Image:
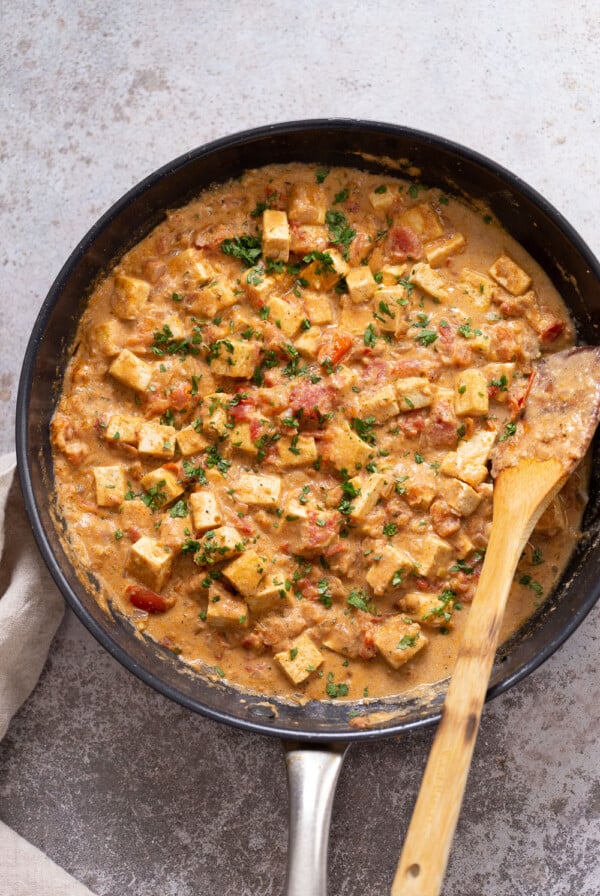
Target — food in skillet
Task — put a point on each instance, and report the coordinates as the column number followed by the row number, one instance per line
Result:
column 272, row 444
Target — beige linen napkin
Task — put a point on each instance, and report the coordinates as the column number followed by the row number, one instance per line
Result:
column 30, row 611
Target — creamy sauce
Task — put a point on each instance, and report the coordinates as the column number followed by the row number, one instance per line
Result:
column 272, row 445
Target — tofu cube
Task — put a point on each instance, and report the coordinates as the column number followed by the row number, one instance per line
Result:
column 206, row 512
column 258, row 286
column 214, row 414
column 150, row 561
column 190, row 441
column 509, row 275
column 468, row 461
column 389, row 572
column 276, row 235
column 471, row 397
column 432, row 555
column 382, row 199
column 245, row 573
column 285, row 315
column 157, row 440
column 131, row 371
column 418, row 483
column 306, row 238
column 478, row 448
column 241, row 439
column 480, row 289
column 344, row 449
column 108, row 337
column 297, row 451
column 301, row 660
column 437, row 253
column 423, row 276
column 129, row 296
column 318, row 307
column 224, row 611
column 499, row 377
column 353, row 318
column 413, row 392
column 307, row 204
column 392, row 273
column 122, row 428
column 174, row 530
column 458, row 495
column 323, row 274
column 427, row 609
column 218, row 544
column 398, row 640
column 372, row 488
column 361, row 284
column 308, row 343
column 165, row 484
column 235, row 358
column 424, row 220
column 218, row 295
column 381, row 404
column 190, row 266
column 111, row 486
column 389, row 309
column 261, row 490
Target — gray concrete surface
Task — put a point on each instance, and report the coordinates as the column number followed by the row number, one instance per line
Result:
column 130, row 793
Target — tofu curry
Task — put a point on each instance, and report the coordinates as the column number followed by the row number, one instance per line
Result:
column 272, row 445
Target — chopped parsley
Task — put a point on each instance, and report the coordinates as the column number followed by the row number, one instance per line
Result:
column 364, row 429
column 509, row 430
column 246, row 247
column 321, row 174
column 340, row 231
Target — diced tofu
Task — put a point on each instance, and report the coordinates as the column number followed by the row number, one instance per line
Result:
column 392, row 273
column 258, row 286
column 306, row 238
column 276, row 235
column 285, row 315
column 458, row 495
column 111, row 486
column 389, row 309
column 297, row 451
column 218, row 544
column 381, row 404
column 224, row 610
column 508, row 274
column 129, row 296
column 323, row 274
column 307, row 204
column 294, row 510
column 432, row 555
column 499, row 377
column 131, row 371
column 344, row 449
column 398, row 640
column 271, row 596
column 216, row 296
column 353, row 318
column 308, row 343
column 174, row 530
column 318, row 307
column 301, row 660
column 241, row 439
column 424, row 220
column 471, row 397
column 478, row 287
column 157, row 440
column 413, row 392
column 206, row 512
column 173, row 325
column 122, row 428
column 150, row 562
column 236, row 358
column 258, row 489
column 214, row 414
column 437, row 253
column 390, row 571
column 191, row 267
column 423, row 276
column 108, row 337
column 462, row 544
column 417, row 483
column 372, row 488
column 427, row 609
column 190, row 441
column 245, row 573
column 165, row 483
column 468, row 461
column 382, row 199
column 361, row 284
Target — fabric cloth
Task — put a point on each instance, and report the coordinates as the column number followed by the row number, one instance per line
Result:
column 31, row 609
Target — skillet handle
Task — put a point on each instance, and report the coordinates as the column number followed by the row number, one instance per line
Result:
column 312, row 777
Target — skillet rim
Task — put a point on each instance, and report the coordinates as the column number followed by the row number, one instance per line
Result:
column 24, row 458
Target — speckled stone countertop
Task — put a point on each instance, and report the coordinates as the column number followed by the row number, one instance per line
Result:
column 131, row 793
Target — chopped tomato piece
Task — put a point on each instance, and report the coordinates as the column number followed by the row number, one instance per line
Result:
column 342, row 343
column 150, row 601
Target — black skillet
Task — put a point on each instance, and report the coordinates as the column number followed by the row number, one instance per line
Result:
column 317, row 731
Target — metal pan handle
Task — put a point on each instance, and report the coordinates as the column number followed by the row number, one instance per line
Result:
column 312, row 777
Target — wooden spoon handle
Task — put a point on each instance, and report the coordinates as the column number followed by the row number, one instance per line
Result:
column 424, row 857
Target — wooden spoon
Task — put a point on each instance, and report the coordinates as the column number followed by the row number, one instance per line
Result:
column 530, row 467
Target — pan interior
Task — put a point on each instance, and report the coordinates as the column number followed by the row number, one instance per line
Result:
column 378, row 148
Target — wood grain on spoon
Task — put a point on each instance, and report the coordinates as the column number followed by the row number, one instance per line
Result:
column 530, row 468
